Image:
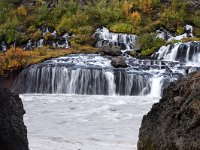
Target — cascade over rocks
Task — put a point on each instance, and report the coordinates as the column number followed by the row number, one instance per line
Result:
column 174, row 122
column 166, row 35
column 184, row 52
column 13, row 133
column 119, row 62
column 125, row 42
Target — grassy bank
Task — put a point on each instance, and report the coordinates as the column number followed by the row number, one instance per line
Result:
column 15, row 59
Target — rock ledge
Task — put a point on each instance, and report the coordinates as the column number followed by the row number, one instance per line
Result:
column 174, row 122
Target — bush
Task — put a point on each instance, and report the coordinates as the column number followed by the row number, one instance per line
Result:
column 150, row 43
column 121, row 27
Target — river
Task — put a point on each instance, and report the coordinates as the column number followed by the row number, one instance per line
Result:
column 84, row 122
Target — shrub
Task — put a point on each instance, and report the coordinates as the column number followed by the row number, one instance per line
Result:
column 121, row 27
column 146, row 6
column 150, row 43
column 135, row 19
column 127, row 8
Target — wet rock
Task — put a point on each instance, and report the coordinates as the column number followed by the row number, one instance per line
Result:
column 108, row 50
column 119, row 62
column 174, row 122
column 13, row 133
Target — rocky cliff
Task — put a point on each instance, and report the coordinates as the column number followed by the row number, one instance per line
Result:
column 174, row 122
column 13, row 133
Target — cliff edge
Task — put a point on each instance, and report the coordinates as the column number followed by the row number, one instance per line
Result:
column 13, row 133
column 174, row 122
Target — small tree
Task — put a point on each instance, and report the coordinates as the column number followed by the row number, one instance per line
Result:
column 21, row 11
column 146, row 6
column 135, row 19
column 127, row 8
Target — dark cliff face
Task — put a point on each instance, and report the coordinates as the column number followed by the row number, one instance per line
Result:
column 13, row 133
column 174, row 122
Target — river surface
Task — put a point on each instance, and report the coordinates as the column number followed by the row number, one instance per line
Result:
column 83, row 122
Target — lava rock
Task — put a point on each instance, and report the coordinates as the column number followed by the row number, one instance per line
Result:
column 174, row 122
column 13, row 133
column 111, row 51
column 119, row 62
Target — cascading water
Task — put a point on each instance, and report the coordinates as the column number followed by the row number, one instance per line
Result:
column 93, row 74
column 105, row 37
column 81, row 74
column 55, row 40
column 182, row 52
column 166, row 35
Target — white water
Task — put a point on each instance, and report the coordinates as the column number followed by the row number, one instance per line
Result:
column 105, row 37
column 162, row 34
column 73, row 122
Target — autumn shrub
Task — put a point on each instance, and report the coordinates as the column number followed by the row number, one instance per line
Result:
column 146, row 6
column 127, row 8
column 135, row 19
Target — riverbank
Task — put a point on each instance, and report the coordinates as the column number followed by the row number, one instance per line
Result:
column 15, row 59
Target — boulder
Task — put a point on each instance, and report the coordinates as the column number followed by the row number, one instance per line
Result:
column 119, row 62
column 174, row 122
column 111, row 51
column 13, row 133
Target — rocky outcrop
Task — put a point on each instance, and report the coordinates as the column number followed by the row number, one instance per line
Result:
column 174, row 122
column 119, row 62
column 13, row 133
column 111, row 51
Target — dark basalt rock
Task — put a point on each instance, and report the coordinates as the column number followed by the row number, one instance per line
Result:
column 13, row 133
column 111, row 51
column 119, row 62
column 174, row 122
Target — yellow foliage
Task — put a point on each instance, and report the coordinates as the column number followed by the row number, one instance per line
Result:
column 21, row 10
column 146, row 6
column 127, row 7
column 16, row 58
column 135, row 18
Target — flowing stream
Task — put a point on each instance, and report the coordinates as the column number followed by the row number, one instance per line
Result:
column 76, row 122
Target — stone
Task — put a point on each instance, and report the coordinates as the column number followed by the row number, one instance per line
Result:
column 13, row 133
column 174, row 122
column 108, row 50
column 119, row 62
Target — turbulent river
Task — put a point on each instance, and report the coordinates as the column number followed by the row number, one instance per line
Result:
column 77, row 122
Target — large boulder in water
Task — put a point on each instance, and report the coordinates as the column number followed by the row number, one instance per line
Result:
column 174, row 122
column 13, row 133
column 111, row 51
column 119, row 62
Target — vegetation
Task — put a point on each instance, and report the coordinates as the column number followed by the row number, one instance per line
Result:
column 16, row 58
column 141, row 17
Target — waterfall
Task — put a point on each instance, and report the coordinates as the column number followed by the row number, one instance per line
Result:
column 56, row 41
column 3, row 46
column 183, row 52
column 93, row 74
column 166, row 35
column 105, row 37
column 60, row 79
column 156, row 86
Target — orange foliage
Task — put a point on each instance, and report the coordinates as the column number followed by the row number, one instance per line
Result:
column 146, row 6
column 127, row 7
column 135, row 18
